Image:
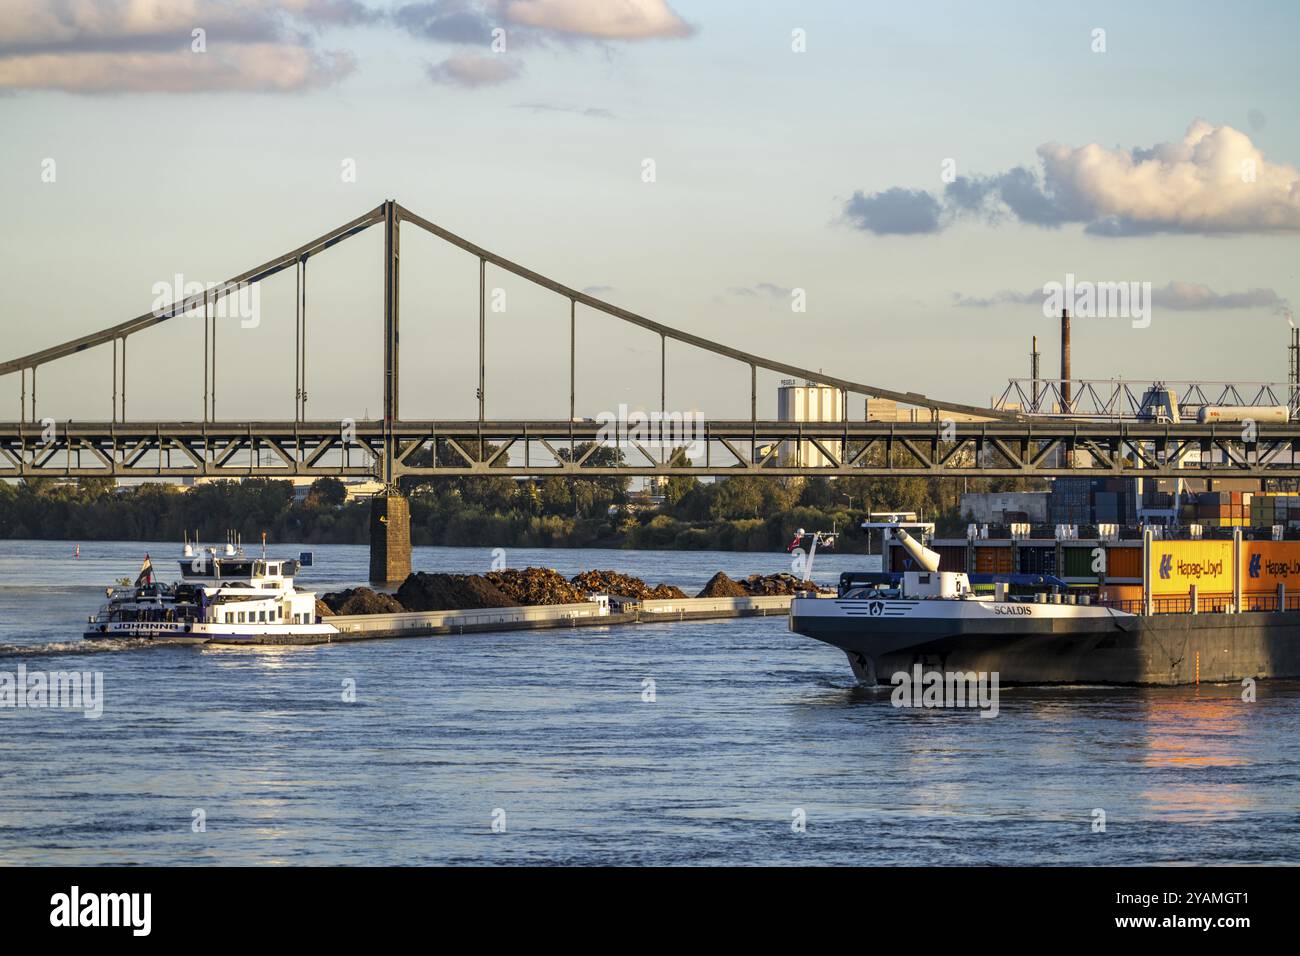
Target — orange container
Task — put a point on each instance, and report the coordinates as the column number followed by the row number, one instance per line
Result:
column 1124, row 562
column 990, row 559
column 1119, row 592
column 1266, row 564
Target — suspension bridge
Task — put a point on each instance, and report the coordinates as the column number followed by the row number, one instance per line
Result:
column 1008, row 439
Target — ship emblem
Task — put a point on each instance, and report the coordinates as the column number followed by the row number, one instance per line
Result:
column 876, row 608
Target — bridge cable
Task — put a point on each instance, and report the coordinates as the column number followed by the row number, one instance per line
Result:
column 304, row 337
column 207, row 320
column 482, row 340
column 297, row 341
column 573, row 351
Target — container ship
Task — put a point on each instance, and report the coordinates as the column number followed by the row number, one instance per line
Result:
column 1165, row 607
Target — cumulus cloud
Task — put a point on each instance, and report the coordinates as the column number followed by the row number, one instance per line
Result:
column 104, row 46
column 250, row 67
column 1213, row 181
column 448, row 21
column 1176, row 295
column 895, row 211
column 604, row 19
column 471, row 22
column 471, row 70
column 1195, row 297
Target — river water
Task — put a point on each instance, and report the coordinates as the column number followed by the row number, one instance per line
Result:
column 547, row 735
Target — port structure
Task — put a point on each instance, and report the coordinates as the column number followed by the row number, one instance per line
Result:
column 1120, row 399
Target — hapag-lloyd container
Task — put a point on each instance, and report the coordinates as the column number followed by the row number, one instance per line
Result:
column 1173, row 567
column 1266, row 564
column 1260, row 566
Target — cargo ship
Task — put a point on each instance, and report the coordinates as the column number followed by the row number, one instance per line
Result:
column 1153, row 611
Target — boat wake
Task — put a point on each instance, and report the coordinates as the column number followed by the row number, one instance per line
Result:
column 75, row 647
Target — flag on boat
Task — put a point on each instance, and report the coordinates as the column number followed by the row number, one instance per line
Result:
column 146, row 573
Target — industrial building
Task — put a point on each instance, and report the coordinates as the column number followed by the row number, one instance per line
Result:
column 1005, row 507
column 809, row 402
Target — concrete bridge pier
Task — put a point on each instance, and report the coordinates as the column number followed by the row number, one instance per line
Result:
column 390, row 537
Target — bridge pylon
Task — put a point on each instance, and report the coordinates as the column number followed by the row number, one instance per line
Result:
column 390, row 537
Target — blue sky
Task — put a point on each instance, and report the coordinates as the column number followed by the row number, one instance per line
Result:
column 759, row 152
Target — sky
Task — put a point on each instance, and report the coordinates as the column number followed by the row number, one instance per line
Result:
column 912, row 174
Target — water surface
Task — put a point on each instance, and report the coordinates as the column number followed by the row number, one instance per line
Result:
column 749, row 725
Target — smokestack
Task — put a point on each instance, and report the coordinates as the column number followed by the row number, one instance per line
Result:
column 1295, row 368
column 1065, row 360
column 1033, row 375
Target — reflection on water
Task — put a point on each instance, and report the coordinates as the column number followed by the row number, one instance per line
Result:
column 749, row 724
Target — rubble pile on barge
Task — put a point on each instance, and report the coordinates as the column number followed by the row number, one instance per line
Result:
column 623, row 585
column 533, row 586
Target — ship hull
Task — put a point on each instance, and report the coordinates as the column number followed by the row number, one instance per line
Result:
column 175, row 633
column 1055, row 644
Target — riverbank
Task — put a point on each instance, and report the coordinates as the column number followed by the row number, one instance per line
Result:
column 740, row 514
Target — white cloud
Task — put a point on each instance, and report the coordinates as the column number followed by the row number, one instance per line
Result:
column 1177, row 295
column 275, row 68
column 604, row 19
column 1214, row 180
column 467, row 69
column 102, row 46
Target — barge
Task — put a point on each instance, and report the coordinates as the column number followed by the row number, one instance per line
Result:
column 1201, row 611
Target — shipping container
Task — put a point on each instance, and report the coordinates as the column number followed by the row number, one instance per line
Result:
column 1037, row 559
column 1077, row 561
column 1266, row 564
column 951, row 558
column 1124, row 562
column 1127, row 596
column 994, row 559
column 1174, row 566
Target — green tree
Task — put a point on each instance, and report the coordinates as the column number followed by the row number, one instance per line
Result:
column 327, row 492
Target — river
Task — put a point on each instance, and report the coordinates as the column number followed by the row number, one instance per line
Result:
column 541, row 747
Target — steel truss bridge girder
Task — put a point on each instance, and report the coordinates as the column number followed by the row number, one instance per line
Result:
column 721, row 448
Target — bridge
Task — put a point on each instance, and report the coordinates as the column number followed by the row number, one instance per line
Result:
column 953, row 439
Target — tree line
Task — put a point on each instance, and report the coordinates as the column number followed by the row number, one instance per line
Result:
column 742, row 513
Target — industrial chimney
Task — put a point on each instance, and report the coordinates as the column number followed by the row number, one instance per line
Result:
column 1065, row 360
column 1033, row 375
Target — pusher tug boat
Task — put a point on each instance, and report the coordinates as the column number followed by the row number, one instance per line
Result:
column 887, row 622
column 224, row 599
